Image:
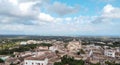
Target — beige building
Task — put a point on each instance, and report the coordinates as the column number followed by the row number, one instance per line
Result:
column 110, row 53
column 74, row 45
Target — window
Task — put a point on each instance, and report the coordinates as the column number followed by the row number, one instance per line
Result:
column 32, row 63
column 38, row 63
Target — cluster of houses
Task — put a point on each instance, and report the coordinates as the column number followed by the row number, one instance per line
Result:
column 44, row 55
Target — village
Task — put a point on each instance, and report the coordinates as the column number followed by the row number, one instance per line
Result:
column 51, row 51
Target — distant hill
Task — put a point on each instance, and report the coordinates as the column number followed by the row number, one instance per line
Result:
column 30, row 37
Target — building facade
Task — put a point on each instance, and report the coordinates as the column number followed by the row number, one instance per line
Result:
column 110, row 53
column 74, row 45
column 36, row 62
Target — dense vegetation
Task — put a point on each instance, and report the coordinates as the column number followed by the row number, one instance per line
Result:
column 8, row 45
column 95, row 64
column 22, row 48
column 66, row 60
column 111, row 63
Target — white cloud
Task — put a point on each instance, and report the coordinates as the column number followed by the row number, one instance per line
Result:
column 111, row 12
column 27, row 16
column 17, row 9
column 108, row 8
column 22, row 11
column 45, row 17
column 11, row 27
column 108, row 14
column 62, row 9
column 26, row 7
column 68, row 19
column 27, row 12
column 106, row 1
column 14, row 2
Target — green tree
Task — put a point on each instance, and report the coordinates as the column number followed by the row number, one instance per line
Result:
column 58, row 63
column 67, row 60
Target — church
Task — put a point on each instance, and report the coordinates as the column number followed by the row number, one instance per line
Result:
column 74, row 45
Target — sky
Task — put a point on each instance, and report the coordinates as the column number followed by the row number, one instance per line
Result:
column 60, row 17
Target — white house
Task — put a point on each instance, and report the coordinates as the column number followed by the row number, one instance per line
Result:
column 23, row 43
column 110, row 53
column 39, row 58
column 31, row 42
column 53, row 48
column 43, row 47
column 33, row 61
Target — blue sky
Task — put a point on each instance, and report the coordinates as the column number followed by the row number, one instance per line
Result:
column 60, row 17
